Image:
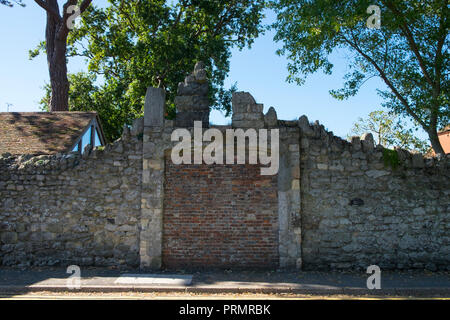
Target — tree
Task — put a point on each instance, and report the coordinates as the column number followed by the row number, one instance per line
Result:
column 389, row 131
column 409, row 52
column 85, row 95
column 57, row 31
column 131, row 45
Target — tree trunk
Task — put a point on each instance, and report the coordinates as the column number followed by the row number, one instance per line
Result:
column 56, row 46
column 435, row 143
column 58, row 79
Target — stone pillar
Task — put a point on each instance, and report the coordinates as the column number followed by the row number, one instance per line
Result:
column 155, row 100
column 289, row 200
column 246, row 112
column 152, row 181
column 192, row 102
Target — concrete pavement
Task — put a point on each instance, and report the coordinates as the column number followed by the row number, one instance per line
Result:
column 321, row 283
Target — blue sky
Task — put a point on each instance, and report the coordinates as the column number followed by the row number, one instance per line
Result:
column 257, row 70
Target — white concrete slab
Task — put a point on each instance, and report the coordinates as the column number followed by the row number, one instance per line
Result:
column 146, row 279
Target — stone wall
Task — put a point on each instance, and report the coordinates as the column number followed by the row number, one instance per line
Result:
column 67, row 209
column 364, row 205
column 333, row 204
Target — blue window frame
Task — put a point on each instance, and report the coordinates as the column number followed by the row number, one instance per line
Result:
column 86, row 139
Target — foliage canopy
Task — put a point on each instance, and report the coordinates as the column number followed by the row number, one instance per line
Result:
column 131, row 45
column 389, row 131
column 12, row 2
column 409, row 52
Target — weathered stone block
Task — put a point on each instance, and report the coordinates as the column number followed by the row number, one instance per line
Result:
column 137, row 127
column 9, row 237
column 241, row 100
column 190, row 89
column 305, row 127
column 191, row 103
column 155, row 101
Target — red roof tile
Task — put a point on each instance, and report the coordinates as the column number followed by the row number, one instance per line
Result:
column 41, row 132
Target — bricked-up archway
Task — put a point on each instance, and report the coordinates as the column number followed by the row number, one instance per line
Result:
column 222, row 216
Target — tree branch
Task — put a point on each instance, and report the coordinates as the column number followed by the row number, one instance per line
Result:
column 66, row 6
column 44, row 5
column 440, row 45
column 84, row 5
column 64, row 30
column 227, row 16
column 383, row 75
column 127, row 16
column 412, row 43
column 180, row 13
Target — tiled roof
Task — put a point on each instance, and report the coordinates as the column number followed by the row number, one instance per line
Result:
column 446, row 129
column 41, row 132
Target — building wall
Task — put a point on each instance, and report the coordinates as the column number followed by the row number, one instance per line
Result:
column 62, row 210
column 444, row 138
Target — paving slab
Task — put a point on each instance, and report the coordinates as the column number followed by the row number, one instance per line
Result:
column 154, row 279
